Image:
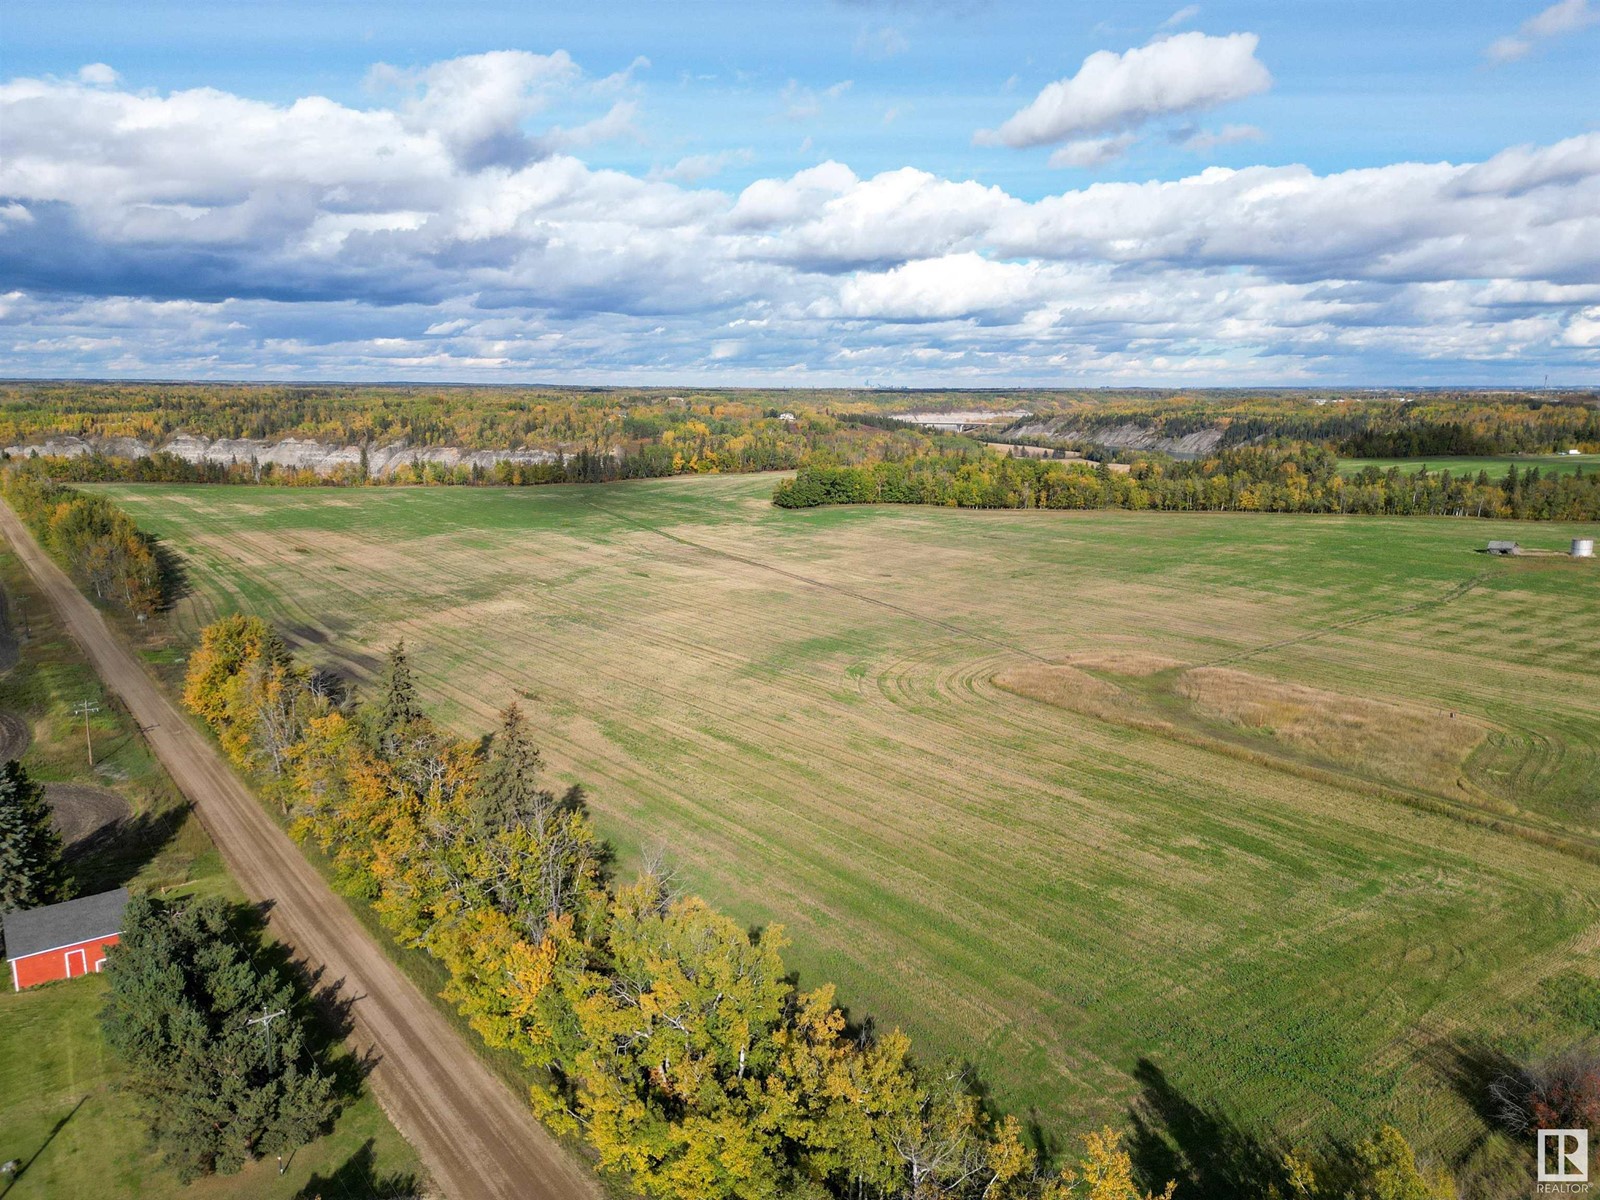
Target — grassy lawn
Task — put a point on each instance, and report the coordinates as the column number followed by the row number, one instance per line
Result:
column 1156, row 897
column 77, row 1134
column 61, row 1113
column 1496, row 465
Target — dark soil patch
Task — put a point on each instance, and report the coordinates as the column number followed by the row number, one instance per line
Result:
column 10, row 651
column 79, row 811
column 14, row 736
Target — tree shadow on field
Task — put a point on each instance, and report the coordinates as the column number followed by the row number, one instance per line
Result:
column 115, row 854
column 1469, row 1066
column 359, row 1179
column 1210, row 1156
column 172, row 573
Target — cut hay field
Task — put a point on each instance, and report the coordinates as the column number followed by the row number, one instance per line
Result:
column 969, row 759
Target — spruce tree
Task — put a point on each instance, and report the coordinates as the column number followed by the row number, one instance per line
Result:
column 398, row 705
column 217, row 1089
column 508, row 788
column 31, row 868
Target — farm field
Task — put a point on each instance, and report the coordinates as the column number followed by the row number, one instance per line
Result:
column 1497, row 465
column 1123, row 807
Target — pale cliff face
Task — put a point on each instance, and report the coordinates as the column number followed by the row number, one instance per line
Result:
column 321, row 457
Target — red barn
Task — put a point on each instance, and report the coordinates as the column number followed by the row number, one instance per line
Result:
column 60, row 941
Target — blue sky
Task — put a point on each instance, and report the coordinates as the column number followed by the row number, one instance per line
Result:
column 954, row 193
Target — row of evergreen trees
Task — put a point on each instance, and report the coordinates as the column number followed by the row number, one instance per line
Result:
column 672, row 1039
column 1301, row 479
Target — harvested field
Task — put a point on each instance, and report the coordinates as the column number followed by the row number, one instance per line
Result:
column 807, row 707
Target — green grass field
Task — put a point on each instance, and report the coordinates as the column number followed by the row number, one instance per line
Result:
column 1496, row 465
column 61, row 1113
column 1154, row 894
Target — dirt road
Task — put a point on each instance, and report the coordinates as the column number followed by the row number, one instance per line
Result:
column 477, row 1138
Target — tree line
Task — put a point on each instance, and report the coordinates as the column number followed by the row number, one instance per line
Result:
column 97, row 541
column 1299, row 479
column 673, row 1040
column 593, row 435
column 1360, row 426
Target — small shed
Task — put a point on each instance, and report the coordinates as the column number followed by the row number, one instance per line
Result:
column 62, row 941
column 1504, row 548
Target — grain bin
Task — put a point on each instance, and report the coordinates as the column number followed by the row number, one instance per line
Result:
column 1582, row 547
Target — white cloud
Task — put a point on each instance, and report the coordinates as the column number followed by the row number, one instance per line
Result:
column 1583, row 329
column 617, row 123
column 956, row 285
column 205, row 233
column 1093, row 152
column 1110, row 92
column 693, row 168
column 1182, row 17
column 1203, row 141
column 619, row 80
column 97, row 75
column 1563, row 17
column 477, row 104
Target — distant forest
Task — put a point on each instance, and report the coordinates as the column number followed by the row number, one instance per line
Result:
column 1428, row 424
column 601, row 434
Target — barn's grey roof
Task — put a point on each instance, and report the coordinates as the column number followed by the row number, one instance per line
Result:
column 36, row 929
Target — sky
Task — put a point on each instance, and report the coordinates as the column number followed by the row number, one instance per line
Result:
column 921, row 193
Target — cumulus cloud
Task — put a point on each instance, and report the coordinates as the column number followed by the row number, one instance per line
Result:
column 956, row 285
column 1187, row 73
column 477, row 105
column 1563, row 17
column 97, row 75
column 445, row 234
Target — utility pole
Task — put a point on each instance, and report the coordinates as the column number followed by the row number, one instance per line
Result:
column 84, row 708
column 265, row 1020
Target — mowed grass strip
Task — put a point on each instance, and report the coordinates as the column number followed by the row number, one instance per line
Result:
column 802, row 706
